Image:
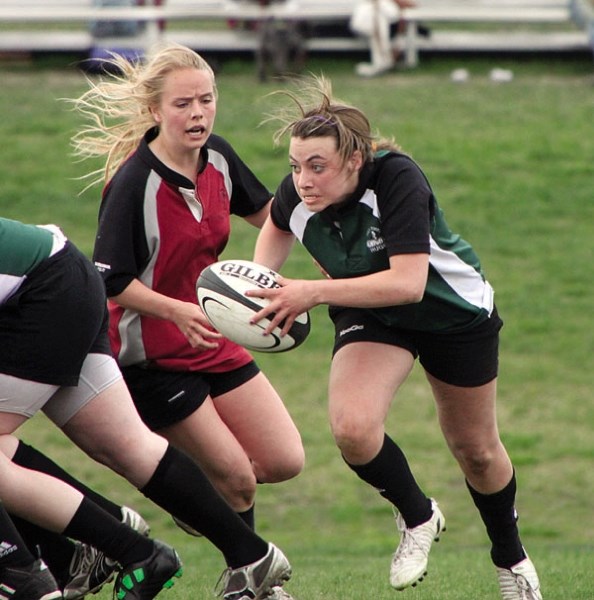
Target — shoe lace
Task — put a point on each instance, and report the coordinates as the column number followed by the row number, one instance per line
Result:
column 512, row 583
column 524, row 587
column 223, row 584
column 83, row 559
column 408, row 543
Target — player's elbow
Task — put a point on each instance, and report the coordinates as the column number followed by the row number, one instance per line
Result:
column 416, row 295
column 408, row 277
column 409, row 295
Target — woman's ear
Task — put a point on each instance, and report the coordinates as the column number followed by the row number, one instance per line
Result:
column 155, row 114
column 356, row 160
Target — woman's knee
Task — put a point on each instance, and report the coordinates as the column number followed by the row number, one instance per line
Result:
column 281, row 467
column 475, row 460
column 357, row 440
column 238, row 489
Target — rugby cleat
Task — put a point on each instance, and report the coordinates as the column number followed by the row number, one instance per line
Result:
column 90, row 569
column 519, row 582
column 34, row 582
column 257, row 580
column 409, row 563
column 144, row 579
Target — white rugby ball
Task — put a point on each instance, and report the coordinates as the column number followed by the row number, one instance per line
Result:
column 221, row 291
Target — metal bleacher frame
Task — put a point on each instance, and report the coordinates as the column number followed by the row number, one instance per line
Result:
column 18, row 16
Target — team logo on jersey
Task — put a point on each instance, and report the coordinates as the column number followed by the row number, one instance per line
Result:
column 375, row 241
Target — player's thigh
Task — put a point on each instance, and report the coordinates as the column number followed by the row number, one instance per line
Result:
column 109, row 429
column 205, row 437
column 364, row 377
column 256, row 415
column 467, row 415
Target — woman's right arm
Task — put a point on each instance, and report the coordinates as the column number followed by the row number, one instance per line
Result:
column 186, row 315
column 273, row 246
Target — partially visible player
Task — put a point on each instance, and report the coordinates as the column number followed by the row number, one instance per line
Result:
column 55, row 357
column 146, row 565
column 79, row 569
column 400, row 284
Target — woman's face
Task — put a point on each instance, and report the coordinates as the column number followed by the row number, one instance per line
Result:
column 187, row 110
column 320, row 178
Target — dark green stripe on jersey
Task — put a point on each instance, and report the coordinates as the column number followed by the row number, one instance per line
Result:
column 22, row 247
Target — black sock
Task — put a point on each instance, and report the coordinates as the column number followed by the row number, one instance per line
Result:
column 248, row 517
column 180, row 487
column 55, row 549
column 500, row 518
column 94, row 526
column 390, row 474
column 14, row 550
column 30, row 458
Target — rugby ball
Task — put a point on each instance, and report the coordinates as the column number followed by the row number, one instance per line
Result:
column 221, row 295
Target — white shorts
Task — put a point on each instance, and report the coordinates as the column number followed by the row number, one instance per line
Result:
column 60, row 404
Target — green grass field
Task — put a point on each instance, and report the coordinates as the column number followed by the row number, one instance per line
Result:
column 511, row 165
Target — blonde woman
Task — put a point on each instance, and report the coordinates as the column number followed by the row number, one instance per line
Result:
column 171, row 186
column 400, row 285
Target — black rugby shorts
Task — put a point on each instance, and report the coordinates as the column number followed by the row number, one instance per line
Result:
column 54, row 320
column 163, row 398
column 466, row 358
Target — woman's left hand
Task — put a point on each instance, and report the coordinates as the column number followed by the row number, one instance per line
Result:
column 287, row 302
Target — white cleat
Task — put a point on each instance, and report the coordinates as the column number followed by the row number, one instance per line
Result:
column 520, row 582
column 257, row 580
column 409, row 563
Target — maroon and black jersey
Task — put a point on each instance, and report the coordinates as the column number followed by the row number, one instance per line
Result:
column 157, row 226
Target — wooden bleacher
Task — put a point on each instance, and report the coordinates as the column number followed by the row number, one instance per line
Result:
column 66, row 25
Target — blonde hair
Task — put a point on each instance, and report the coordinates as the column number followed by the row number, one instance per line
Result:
column 315, row 113
column 118, row 109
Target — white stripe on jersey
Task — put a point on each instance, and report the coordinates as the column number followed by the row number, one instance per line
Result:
column 9, row 284
column 461, row 277
column 221, row 164
column 370, row 199
column 298, row 221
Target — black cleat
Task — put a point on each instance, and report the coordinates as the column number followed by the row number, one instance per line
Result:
column 144, row 579
column 34, row 582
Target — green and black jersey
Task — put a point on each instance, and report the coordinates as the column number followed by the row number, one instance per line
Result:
column 22, row 248
column 393, row 211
